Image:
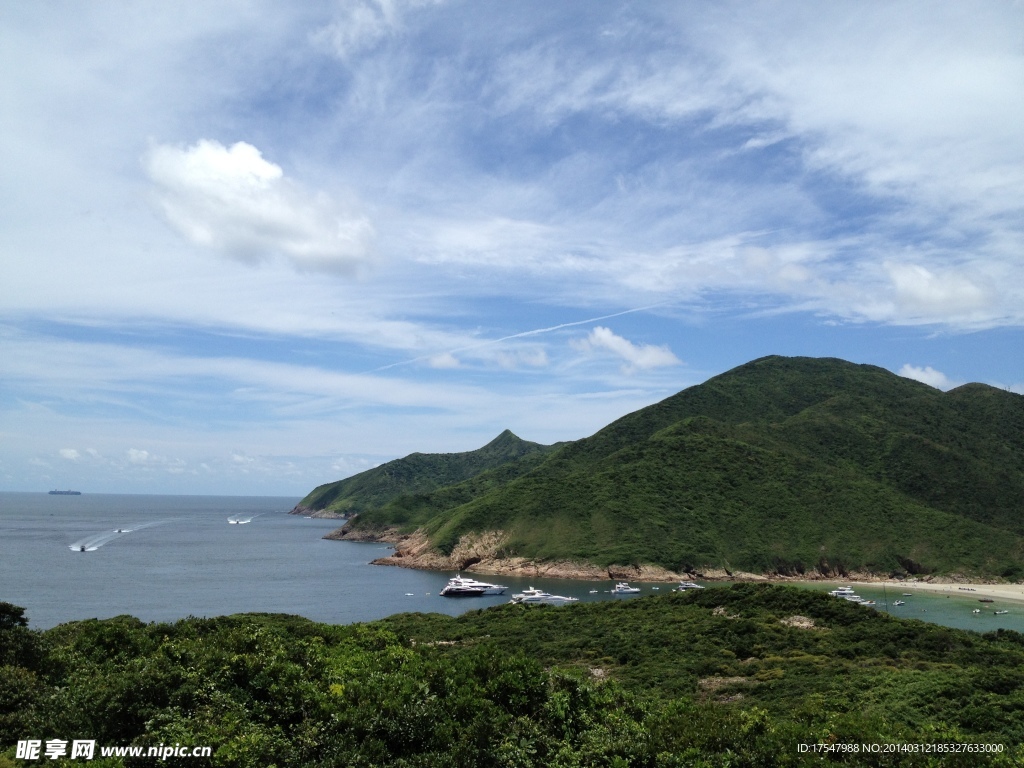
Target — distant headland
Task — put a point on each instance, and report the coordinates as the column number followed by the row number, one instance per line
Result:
column 785, row 467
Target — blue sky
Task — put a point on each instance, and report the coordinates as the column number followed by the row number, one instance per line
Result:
column 248, row 248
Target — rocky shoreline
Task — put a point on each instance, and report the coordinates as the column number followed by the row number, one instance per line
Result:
column 478, row 553
column 323, row 514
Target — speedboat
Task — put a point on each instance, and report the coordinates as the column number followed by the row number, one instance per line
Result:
column 899, row 602
column 458, row 586
column 685, row 585
column 533, row 596
column 623, row 588
column 1000, row 613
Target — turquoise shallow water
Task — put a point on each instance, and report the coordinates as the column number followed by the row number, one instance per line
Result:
column 178, row 556
column 952, row 610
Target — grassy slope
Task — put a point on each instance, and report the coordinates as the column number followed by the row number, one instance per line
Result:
column 416, row 473
column 784, row 464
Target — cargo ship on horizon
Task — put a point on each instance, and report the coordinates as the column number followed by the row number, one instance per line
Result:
column 65, row 493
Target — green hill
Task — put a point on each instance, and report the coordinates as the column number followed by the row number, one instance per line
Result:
column 783, row 465
column 730, row 676
column 416, row 473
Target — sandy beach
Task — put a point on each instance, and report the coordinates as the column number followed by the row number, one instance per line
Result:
column 1014, row 592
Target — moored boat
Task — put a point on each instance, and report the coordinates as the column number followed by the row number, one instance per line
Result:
column 685, row 585
column 534, row 596
column 842, row 592
column 623, row 588
column 458, row 586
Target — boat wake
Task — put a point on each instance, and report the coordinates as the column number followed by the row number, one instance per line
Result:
column 94, row 542
column 241, row 519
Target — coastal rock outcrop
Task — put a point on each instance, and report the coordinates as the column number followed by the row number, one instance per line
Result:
column 325, row 514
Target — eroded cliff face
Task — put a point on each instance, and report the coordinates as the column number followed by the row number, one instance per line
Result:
column 478, row 553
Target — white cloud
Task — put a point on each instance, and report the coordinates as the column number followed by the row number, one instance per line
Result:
column 69, row 453
column 233, row 200
column 137, row 456
column 530, row 357
column 927, row 375
column 920, row 290
column 444, row 360
column 637, row 356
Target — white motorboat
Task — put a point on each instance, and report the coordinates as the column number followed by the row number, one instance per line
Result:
column 533, row 596
column 685, row 585
column 458, row 586
column 623, row 588
column 842, row 592
column 899, row 602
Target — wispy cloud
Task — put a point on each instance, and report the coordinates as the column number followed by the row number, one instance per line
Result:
column 437, row 194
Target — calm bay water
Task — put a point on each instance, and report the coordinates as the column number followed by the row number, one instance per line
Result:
column 179, row 556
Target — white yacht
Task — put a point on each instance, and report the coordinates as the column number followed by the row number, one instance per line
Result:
column 533, row 596
column 458, row 586
column 623, row 588
column 685, row 585
column 842, row 592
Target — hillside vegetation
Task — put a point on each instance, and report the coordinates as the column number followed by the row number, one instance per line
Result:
column 416, row 473
column 727, row 677
column 734, row 677
column 783, row 465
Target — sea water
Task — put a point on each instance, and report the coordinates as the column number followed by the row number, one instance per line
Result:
column 955, row 609
column 163, row 558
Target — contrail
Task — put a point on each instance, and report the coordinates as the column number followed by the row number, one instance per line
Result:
column 535, row 332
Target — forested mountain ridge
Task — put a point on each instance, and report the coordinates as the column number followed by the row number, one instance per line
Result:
column 415, row 473
column 782, row 465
